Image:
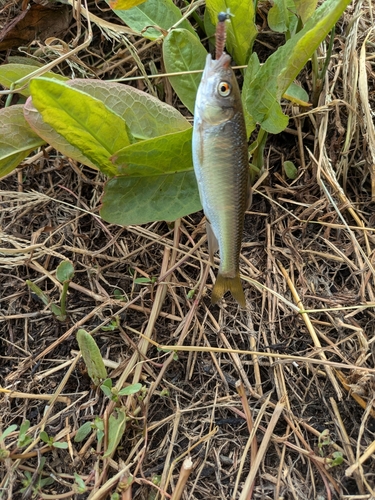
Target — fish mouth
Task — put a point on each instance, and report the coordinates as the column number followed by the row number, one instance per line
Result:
column 214, row 65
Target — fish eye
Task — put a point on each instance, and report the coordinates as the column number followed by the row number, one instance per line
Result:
column 224, row 89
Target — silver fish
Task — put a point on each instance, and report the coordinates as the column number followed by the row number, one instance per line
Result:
column 221, row 166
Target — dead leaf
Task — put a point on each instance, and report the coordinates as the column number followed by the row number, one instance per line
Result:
column 37, row 22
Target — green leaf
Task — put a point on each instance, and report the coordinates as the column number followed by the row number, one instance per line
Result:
column 145, row 115
column 264, row 88
column 45, row 482
column 38, row 292
column 17, row 139
column 281, row 16
column 83, row 432
column 81, row 486
column 253, row 68
column 183, row 51
column 337, row 459
column 8, row 431
column 157, row 182
column 140, row 281
column 124, row 4
column 92, row 357
column 166, row 154
column 142, row 199
column 107, row 391
column 83, row 121
column 305, row 8
column 161, row 13
column 65, row 271
column 108, row 383
column 291, row 170
column 23, row 438
column 296, row 94
column 61, row 446
column 116, row 428
column 50, row 136
column 296, row 52
column 130, row 389
column 11, row 73
column 45, row 438
column 241, row 30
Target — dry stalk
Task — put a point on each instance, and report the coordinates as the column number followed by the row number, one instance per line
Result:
column 186, row 468
column 262, row 450
column 311, row 330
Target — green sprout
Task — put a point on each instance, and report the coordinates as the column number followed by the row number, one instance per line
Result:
column 114, row 394
column 64, row 273
column 49, row 440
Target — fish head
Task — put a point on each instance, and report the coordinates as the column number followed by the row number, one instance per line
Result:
column 218, row 97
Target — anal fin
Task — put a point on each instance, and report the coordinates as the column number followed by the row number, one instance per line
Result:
column 213, row 245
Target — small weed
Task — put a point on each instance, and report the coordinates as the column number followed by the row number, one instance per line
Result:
column 92, row 357
column 114, row 394
column 49, row 440
column 64, row 273
column 35, row 485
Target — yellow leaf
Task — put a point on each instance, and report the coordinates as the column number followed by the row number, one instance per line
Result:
column 124, row 4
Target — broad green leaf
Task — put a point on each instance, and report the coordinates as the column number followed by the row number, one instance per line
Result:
column 264, row 89
column 116, row 429
column 305, row 8
column 209, row 27
column 65, row 271
column 247, row 89
column 298, row 50
column 83, row 121
column 297, row 95
column 281, row 16
column 50, row 136
column 83, row 432
column 144, row 114
column 161, row 13
column 166, row 154
column 92, row 357
column 124, row 4
column 11, row 73
column 17, row 139
column 137, row 200
column 182, row 51
column 241, row 30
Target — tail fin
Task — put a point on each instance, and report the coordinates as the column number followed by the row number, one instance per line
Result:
column 233, row 285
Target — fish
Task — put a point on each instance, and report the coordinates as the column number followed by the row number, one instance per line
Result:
column 221, row 167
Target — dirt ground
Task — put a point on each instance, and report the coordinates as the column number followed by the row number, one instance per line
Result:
column 281, row 393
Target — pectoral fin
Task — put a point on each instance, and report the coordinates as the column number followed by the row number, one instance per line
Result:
column 213, row 245
column 233, row 285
